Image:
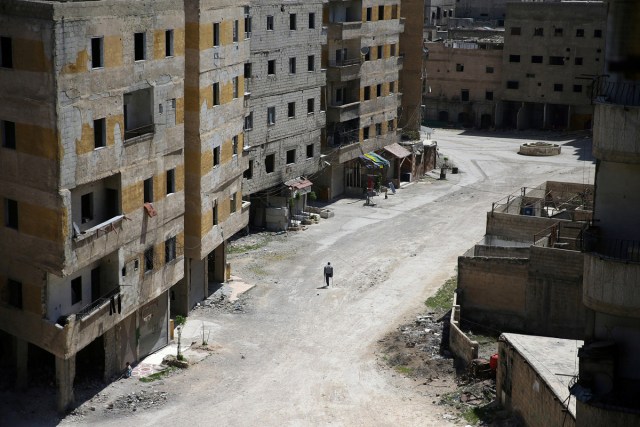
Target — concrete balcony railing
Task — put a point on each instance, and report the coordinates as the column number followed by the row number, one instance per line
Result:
column 614, row 133
column 356, row 149
column 381, row 104
column 344, row 112
column 377, row 28
column 344, row 30
column 343, row 71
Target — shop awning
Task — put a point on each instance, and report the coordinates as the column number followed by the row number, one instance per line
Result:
column 371, row 160
column 397, row 150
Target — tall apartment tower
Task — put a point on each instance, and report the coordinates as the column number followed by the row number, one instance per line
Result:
column 217, row 47
column 609, row 377
column 91, row 183
column 284, row 81
column 363, row 64
column 413, row 72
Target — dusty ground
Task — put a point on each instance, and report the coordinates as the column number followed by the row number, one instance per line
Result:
column 295, row 354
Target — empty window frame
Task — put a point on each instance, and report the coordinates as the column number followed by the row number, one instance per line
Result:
column 248, row 173
column 216, row 93
column 291, row 156
column 392, row 87
column 148, row 260
column 236, row 30
column 513, row 84
column 514, row 58
column 538, row 32
column 216, row 156
column 15, row 293
column 578, row 61
column 597, row 34
column 464, row 94
column 367, row 93
column 311, row 63
column 515, row 31
column 271, row 116
column 270, row 163
column 309, row 151
column 97, row 54
column 170, row 249
column 488, row 70
column 488, row 95
column 577, row 88
column 247, row 25
column 8, row 134
column 367, row 55
column 168, row 43
column 214, row 213
column 233, row 203
column 390, row 125
column 271, row 67
column 365, row 133
column 248, row 121
column 171, row 181
column 76, row 290
column 148, row 190
column 459, row 68
column 556, row 60
column 392, row 49
column 269, row 23
column 379, row 53
column 291, row 110
column 312, row 20
column 236, row 85
column 293, row 21
column 86, row 208
column 580, row 32
column 292, row 65
column 11, row 213
column 557, row 87
column 378, row 129
column 247, row 70
column 216, row 34
column 6, row 52
column 380, row 12
column 558, row 32
column 536, row 59
column 369, row 14
column 139, row 46
column 310, row 106
column 99, row 133
column 234, row 145
column 379, row 90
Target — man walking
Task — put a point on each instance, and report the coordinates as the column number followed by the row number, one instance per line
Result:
column 328, row 273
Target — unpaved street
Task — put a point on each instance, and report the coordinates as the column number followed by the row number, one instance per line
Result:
column 301, row 356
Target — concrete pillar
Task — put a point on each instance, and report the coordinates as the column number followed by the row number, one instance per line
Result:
column 65, row 374
column 22, row 359
column 111, row 356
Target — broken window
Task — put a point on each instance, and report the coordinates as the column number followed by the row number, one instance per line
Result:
column 139, row 46
column 464, row 94
column 99, row 133
column 170, row 249
column 513, row 84
column 215, row 88
column 488, row 95
column 380, row 12
column 148, row 259
column 234, row 143
column 291, row 110
column 15, row 293
column 514, row 58
column 291, row 156
column 247, row 24
column 369, row 13
column 168, row 43
column 76, row 290
column 379, row 52
column 270, row 163
column 558, row 32
column 378, row 129
column 248, row 173
column 556, row 60
column 11, row 213
column 97, row 52
column 365, row 133
column 247, row 70
column 536, row 59
column 6, row 52
column 577, row 88
column 539, row 32
column 515, row 31
column 367, row 93
column 216, row 34
column 557, row 87
column 597, row 34
column 459, row 67
column 148, row 190
column 580, row 32
column 248, row 121
column 8, row 134
column 578, row 61
column 236, row 85
column 488, row 70
column 138, row 113
column 171, row 181
column 392, row 87
column 236, row 30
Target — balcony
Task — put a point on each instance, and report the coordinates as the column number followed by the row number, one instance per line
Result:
column 614, row 132
column 344, row 30
column 610, row 285
column 345, row 70
column 381, row 104
column 356, row 149
column 138, row 114
column 98, row 304
column 344, row 112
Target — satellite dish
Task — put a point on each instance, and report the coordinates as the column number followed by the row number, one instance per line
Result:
column 364, row 50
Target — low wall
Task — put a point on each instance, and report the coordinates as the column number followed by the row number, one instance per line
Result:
column 517, row 227
column 460, row 345
column 493, row 290
column 501, row 251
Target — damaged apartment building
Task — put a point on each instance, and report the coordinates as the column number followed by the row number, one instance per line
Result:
column 363, row 62
column 91, row 185
column 284, row 117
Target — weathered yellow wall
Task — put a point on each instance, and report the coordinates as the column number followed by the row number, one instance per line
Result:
column 29, row 55
column 40, row 221
column 132, row 197
column 36, row 140
column 179, row 176
column 112, row 51
column 85, row 144
column 226, row 152
column 81, row 64
column 112, row 121
column 386, row 50
column 179, row 111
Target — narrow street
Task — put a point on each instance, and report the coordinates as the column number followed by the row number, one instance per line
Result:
column 299, row 355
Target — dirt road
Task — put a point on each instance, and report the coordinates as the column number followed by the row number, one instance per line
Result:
column 299, row 355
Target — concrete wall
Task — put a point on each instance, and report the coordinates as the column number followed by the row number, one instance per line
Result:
column 521, row 389
column 460, row 345
column 516, row 227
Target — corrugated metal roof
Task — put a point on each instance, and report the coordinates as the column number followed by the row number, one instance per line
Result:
column 398, row 150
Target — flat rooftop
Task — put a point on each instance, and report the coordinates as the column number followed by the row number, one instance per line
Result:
column 555, row 360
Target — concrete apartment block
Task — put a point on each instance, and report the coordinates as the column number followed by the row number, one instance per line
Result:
column 608, row 368
column 217, row 48
column 551, row 53
column 284, row 109
column 464, row 81
column 91, row 181
column 362, row 57
column 413, row 57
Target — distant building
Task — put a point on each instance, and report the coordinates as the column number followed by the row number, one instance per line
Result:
column 552, row 51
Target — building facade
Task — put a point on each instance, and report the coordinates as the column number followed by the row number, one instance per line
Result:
column 363, row 65
column 551, row 53
column 217, row 49
column 91, row 182
column 285, row 115
column 412, row 54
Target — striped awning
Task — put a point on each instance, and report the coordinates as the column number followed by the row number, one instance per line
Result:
column 373, row 160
